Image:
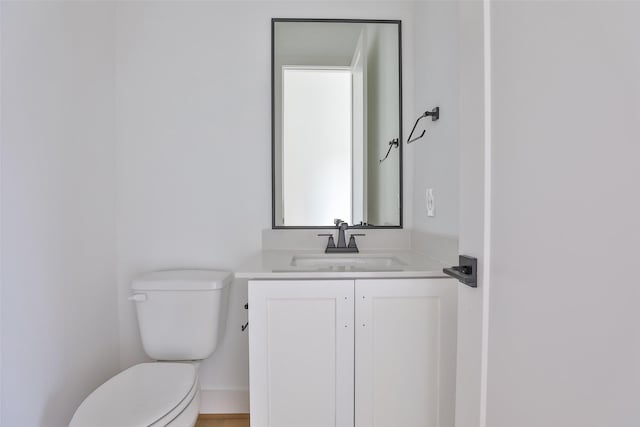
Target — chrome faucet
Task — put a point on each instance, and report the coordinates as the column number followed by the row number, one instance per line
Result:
column 342, row 246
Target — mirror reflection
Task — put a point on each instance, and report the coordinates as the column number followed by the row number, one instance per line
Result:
column 336, row 113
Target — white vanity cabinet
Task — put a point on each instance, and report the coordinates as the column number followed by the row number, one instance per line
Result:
column 405, row 352
column 301, row 353
column 345, row 353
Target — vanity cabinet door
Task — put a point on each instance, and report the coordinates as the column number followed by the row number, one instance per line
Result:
column 405, row 352
column 301, row 353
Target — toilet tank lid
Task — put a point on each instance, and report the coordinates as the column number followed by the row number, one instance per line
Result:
column 182, row 280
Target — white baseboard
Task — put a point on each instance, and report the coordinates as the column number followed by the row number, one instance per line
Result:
column 224, row 401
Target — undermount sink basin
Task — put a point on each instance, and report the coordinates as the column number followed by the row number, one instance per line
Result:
column 346, row 262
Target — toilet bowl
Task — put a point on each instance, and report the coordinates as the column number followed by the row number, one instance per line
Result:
column 181, row 315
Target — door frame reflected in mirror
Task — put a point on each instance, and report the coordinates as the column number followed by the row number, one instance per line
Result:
column 274, row 21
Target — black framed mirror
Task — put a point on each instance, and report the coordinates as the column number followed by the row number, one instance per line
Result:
column 336, row 122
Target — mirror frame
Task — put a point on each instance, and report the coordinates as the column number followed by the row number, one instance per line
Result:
column 274, row 226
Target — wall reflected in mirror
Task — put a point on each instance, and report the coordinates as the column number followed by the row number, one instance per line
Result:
column 336, row 106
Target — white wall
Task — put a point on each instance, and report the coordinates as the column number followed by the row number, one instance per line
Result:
column 564, row 337
column 59, row 313
column 450, row 160
column 383, row 179
column 435, row 156
column 1, row 210
column 472, row 210
column 193, row 151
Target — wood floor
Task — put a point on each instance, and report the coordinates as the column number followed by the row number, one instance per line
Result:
column 222, row 420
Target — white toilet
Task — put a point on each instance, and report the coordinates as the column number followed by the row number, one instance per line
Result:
column 181, row 314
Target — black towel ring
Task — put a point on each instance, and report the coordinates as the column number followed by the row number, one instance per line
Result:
column 435, row 115
column 393, row 143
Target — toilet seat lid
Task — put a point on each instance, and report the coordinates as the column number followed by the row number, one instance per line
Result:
column 138, row 396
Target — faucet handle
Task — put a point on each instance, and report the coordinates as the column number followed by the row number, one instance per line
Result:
column 352, row 241
column 331, row 243
column 338, row 221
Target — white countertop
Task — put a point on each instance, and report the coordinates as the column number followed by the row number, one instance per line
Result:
column 277, row 264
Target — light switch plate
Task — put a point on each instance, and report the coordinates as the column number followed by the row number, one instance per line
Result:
column 431, row 204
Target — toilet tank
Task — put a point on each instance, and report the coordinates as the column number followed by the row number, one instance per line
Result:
column 181, row 313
